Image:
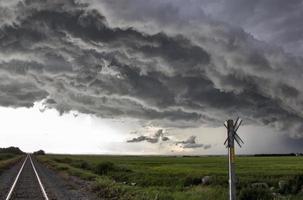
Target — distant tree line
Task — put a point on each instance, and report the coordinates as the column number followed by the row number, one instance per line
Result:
column 278, row 155
column 40, row 152
column 12, row 150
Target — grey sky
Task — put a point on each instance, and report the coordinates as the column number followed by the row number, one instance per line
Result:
column 170, row 64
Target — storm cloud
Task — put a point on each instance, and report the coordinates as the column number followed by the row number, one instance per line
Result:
column 191, row 143
column 178, row 68
column 276, row 21
column 158, row 136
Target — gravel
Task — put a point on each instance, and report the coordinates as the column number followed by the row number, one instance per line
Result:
column 27, row 186
column 58, row 188
column 7, row 179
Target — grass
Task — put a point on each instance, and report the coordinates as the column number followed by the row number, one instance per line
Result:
column 7, row 160
column 157, row 178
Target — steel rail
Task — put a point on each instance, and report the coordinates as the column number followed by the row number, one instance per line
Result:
column 16, row 180
column 39, row 180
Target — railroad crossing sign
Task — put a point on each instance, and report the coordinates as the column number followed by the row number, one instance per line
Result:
column 232, row 136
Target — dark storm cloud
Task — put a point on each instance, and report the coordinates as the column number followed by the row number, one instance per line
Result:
column 73, row 72
column 276, row 21
column 251, row 76
column 177, row 70
column 191, row 143
column 158, row 136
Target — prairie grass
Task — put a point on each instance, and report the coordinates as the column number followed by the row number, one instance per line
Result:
column 160, row 177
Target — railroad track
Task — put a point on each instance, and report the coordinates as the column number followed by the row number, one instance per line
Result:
column 27, row 184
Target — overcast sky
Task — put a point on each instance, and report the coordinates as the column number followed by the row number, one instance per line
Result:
column 151, row 77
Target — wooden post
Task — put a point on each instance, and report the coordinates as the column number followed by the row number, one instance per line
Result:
column 231, row 160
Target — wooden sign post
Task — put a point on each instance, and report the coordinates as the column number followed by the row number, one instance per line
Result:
column 232, row 136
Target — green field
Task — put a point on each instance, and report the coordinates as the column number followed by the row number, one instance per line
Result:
column 165, row 178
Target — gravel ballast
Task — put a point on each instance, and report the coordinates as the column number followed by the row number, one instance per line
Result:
column 55, row 186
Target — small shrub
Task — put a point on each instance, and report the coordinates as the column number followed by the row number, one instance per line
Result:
column 106, row 189
column 124, row 169
column 104, row 167
column 192, row 181
column 81, row 164
column 84, row 165
column 292, row 186
column 296, row 184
